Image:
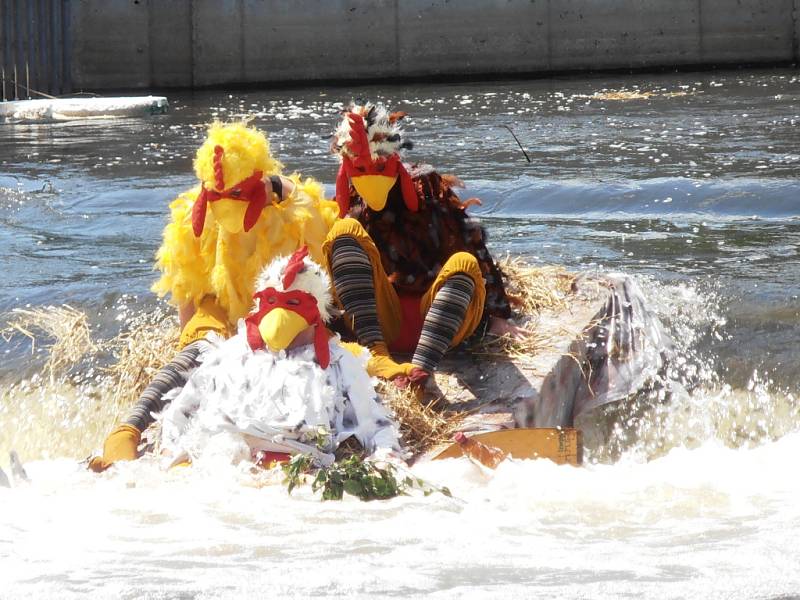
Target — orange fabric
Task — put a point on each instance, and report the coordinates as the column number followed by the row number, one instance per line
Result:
column 209, row 316
column 381, row 364
column 414, row 308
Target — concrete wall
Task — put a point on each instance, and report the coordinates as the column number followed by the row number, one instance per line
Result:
column 180, row 43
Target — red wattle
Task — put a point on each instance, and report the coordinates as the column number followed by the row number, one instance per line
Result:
column 321, row 344
column 343, row 191
column 254, row 208
column 199, row 213
column 409, row 191
column 254, row 339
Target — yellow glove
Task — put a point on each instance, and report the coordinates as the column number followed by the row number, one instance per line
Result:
column 382, row 365
column 209, row 316
column 121, row 444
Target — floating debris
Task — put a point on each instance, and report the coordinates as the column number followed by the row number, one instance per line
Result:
column 624, row 95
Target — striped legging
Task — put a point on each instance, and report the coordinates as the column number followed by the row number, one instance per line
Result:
column 444, row 319
column 173, row 375
column 352, row 278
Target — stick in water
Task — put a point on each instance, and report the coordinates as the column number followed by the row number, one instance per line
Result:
column 518, row 144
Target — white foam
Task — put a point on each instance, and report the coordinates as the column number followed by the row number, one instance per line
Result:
column 712, row 518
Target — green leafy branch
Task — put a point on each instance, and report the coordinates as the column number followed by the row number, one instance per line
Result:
column 355, row 476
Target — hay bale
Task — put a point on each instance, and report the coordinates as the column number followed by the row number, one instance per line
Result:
column 534, row 289
column 142, row 350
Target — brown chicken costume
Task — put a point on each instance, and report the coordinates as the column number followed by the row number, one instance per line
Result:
column 409, row 266
column 243, row 214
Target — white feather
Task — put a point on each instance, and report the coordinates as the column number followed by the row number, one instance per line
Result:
column 381, row 127
column 277, row 401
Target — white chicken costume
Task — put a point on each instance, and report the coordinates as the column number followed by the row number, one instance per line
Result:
column 260, row 392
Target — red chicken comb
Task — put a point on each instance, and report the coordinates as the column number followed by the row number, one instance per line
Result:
column 294, row 266
column 359, row 143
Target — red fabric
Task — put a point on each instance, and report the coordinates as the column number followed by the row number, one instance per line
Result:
column 390, row 167
column 298, row 301
column 411, row 324
column 251, row 190
column 265, row 458
column 219, row 179
column 294, row 266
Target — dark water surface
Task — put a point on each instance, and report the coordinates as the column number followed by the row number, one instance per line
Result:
column 688, row 181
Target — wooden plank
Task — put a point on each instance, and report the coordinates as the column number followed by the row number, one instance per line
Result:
column 564, row 446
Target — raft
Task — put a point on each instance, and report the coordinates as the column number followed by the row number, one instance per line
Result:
column 61, row 109
column 603, row 348
column 597, row 347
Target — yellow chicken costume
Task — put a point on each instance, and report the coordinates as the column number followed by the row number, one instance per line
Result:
column 211, row 254
column 222, row 233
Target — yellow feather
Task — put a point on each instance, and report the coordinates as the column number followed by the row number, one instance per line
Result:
column 246, row 150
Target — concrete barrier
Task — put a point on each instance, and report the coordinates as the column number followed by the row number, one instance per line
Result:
column 196, row 43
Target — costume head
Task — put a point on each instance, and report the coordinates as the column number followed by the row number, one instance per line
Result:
column 293, row 295
column 230, row 165
column 369, row 141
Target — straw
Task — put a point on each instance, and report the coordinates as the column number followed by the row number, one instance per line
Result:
column 75, row 414
column 67, row 326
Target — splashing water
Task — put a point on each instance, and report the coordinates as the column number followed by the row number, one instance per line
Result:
column 689, row 404
column 694, row 465
column 713, row 518
column 688, row 182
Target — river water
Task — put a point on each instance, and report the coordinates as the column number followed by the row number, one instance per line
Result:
column 686, row 181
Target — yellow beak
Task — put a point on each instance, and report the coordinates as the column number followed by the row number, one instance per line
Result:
column 279, row 327
column 374, row 189
column 229, row 214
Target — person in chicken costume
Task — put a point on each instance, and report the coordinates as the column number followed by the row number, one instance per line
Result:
column 410, row 268
column 282, row 385
column 242, row 214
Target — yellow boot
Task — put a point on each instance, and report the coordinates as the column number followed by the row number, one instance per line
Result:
column 121, row 444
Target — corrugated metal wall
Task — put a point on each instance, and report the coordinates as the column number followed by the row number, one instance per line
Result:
column 34, row 48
